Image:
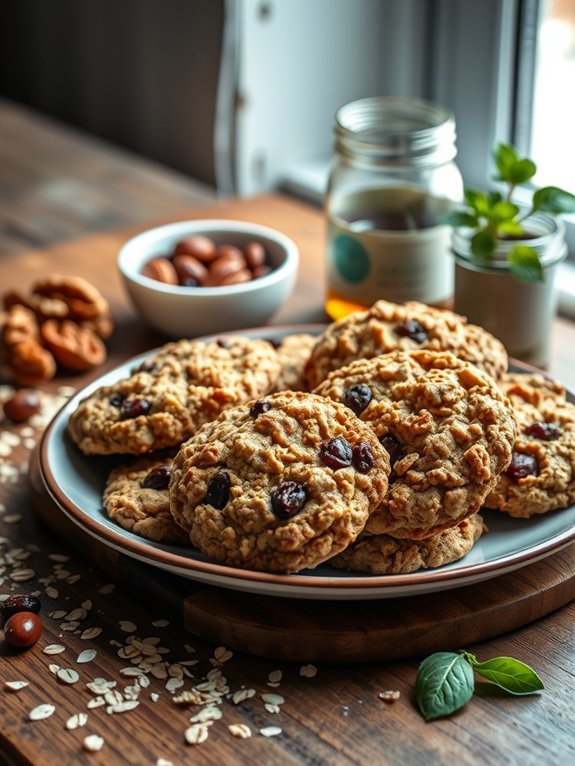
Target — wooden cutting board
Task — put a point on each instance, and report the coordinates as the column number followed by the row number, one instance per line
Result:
column 331, row 631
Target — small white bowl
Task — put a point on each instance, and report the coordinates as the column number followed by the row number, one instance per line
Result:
column 185, row 312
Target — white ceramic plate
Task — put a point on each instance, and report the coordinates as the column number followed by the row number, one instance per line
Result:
column 75, row 482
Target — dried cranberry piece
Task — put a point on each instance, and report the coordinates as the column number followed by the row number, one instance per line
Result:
column 259, row 407
column 357, row 397
column 158, row 478
column 363, row 459
column 521, row 466
column 392, row 445
column 336, row 453
column 288, row 499
column 133, row 408
column 547, row 432
column 411, row 328
column 218, row 492
column 116, row 400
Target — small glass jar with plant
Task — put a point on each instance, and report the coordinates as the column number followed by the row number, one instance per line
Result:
column 506, row 257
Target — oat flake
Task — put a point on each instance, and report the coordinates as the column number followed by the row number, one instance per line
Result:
column 161, row 623
column 86, row 656
column 76, row 721
column 68, row 676
column 90, row 633
column 196, row 734
column 41, row 711
column 127, row 626
column 93, row 743
column 15, row 686
column 270, row 731
column 308, row 671
column 240, row 730
column 54, row 649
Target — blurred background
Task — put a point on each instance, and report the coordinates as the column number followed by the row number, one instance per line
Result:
column 241, row 94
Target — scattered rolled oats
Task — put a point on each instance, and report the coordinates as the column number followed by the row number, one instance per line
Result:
column 90, row 633
column 93, row 742
column 275, row 677
column 15, row 686
column 67, row 675
column 270, row 731
column 161, row 623
column 122, row 707
column 308, row 671
column 240, row 730
column 76, row 721
column 208, row 713
column 390, row 695
column 86, row 656
column 41, row 711
column 127, row 626
column 196, row 733
column 54, row 649
column 242, row 694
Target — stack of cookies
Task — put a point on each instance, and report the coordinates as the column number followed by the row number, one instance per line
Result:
column 372, row 446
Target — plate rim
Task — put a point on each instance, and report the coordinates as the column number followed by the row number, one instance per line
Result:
column 297, row 584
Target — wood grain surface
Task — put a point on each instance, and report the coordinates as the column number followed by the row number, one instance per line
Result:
column 334, row 717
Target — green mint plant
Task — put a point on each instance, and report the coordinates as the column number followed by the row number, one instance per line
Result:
column 445, row 680
column 493, row 216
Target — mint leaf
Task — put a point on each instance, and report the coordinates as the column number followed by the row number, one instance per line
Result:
column 460, row 218
column 483, row 245
column 521, row 172
column 504, row 156
column 444, row 684
column 503, row 211
column 477, row 201
column 524, row 264
column 512, row 675
column 552, row 199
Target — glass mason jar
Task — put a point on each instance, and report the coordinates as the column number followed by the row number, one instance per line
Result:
column 393, row 178
column 519, row 313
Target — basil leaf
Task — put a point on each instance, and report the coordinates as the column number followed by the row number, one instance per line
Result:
column 503, row 211
column 524, row 264
column 551, row 199
column 444, row 684
column 521, row 171
column 512, row 675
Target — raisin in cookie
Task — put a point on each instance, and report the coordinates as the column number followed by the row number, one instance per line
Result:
column 279, row 484
column 170, row 395
column 448, row 428
column 541, row 476
column 385, row 555
column 136, row 497
column 388, row 326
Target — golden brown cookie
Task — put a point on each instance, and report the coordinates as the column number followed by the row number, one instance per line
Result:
column 541, row 475
column 293, row 353
column 385, row 555
column 279, row 484
column 388, row 326
column 136, row 497
column 448, row 428
column 171, row 394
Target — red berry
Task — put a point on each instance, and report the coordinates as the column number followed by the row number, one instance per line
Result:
column 23, row 629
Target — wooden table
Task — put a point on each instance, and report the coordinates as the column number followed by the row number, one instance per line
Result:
column 335, row 717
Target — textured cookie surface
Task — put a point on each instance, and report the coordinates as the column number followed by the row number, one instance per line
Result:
column 172, row 394
column 293, row 353
column 541, row 476
column 388, row 326
column 447, row 426
column 136, row 497
column 385, row 555
column 279, row 484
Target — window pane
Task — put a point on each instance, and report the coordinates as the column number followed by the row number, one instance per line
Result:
column 553, row 135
